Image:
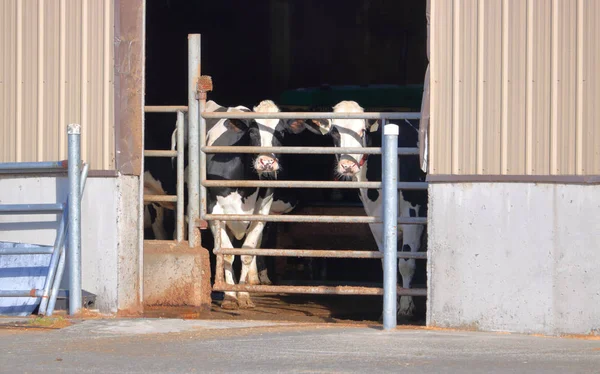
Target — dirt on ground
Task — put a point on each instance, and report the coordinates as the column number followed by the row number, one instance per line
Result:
column 289, row 308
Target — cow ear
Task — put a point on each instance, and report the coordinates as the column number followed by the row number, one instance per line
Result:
column 236, row 125
column 372, row 125
column 319, row 126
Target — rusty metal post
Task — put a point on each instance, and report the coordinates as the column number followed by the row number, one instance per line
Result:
column 180, row 172
column 204, row 86
column 193, row 147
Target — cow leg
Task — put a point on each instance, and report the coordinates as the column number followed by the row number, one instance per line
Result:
column 253, row 239
column 261, row 265
column 411, row 238
column 230, row 301
column 158, row 225
column 249, row 272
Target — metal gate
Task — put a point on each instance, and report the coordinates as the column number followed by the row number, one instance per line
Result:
column 198, row 86
column 193, row 214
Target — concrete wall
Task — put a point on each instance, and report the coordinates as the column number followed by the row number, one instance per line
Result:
column 108, row 236
column 514, row 257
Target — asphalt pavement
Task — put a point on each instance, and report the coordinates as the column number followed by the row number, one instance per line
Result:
column 204, row 346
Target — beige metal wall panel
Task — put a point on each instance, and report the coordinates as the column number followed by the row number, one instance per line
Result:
column 515, row 87
column 541, row 84
column 590, row 95
column 441, row 53
column 465, row 106
column 57, row 68
column 492, row 83
column 565, row 55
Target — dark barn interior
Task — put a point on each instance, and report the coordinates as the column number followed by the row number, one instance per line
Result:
column 256, row 50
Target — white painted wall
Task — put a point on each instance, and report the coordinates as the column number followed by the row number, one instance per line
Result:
column 514, row 257
column 98, row 228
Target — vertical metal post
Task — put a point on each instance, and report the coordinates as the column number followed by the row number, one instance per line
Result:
column 58, row 245
column 193, row 148
column 180, row 168
column 74, row 233
column 219, row 270
column 60, row 268
column 390, row 223
column 202, row 138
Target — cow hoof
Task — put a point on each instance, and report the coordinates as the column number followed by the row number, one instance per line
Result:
column 406, row 308
column 229, row 303
column 245, row 303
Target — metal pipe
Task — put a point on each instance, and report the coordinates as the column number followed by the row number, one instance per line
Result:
column 27, row 251
column 219, row 270
column 32, row 167
column 59, row 243
column 309, row 184
column 31, row 208
column 159, row 152
column 202, row 145
column 74, row 233
column 180, row 169
column 341, row 253
column 193, row 147
column 21, row 293
column 404, row 151
column 60, row 268
column 390, row 224
column 160, row 198
column 312, row 115
column 323, row 290
column 165, row 108
column 312, row 218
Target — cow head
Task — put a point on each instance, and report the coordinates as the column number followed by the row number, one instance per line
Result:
column 272, row 132
column 350, row 133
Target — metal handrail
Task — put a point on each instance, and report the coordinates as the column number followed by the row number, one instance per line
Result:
column 311, row 115
column 404, row 151
column 165, row 108
column 33, row 167
column 310, row 184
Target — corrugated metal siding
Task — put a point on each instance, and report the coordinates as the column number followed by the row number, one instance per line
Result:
column 515, row 87
column 57, row 68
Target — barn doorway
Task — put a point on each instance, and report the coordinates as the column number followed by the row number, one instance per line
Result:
column 302, row 55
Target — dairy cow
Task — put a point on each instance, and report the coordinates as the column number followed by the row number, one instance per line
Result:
column 361, row 167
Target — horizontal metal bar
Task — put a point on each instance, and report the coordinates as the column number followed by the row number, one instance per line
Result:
column 21, row 293
column 402, row 151
column 165, row 108
column 312, row 115
column 160, row 198
column 31, row 208
column 159, row 153
column 33, row 167
column 322, row 290
column 310, row 184
column 342, row 253
column 311, row 218
column 27, row 251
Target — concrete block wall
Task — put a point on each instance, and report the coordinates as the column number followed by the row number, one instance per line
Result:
column 518, row 257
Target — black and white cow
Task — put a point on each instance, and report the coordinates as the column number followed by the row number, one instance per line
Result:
column 359, row 167
column 154, row 212
column 225, row 200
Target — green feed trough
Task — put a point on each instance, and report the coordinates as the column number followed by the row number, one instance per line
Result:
column 372, row 97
